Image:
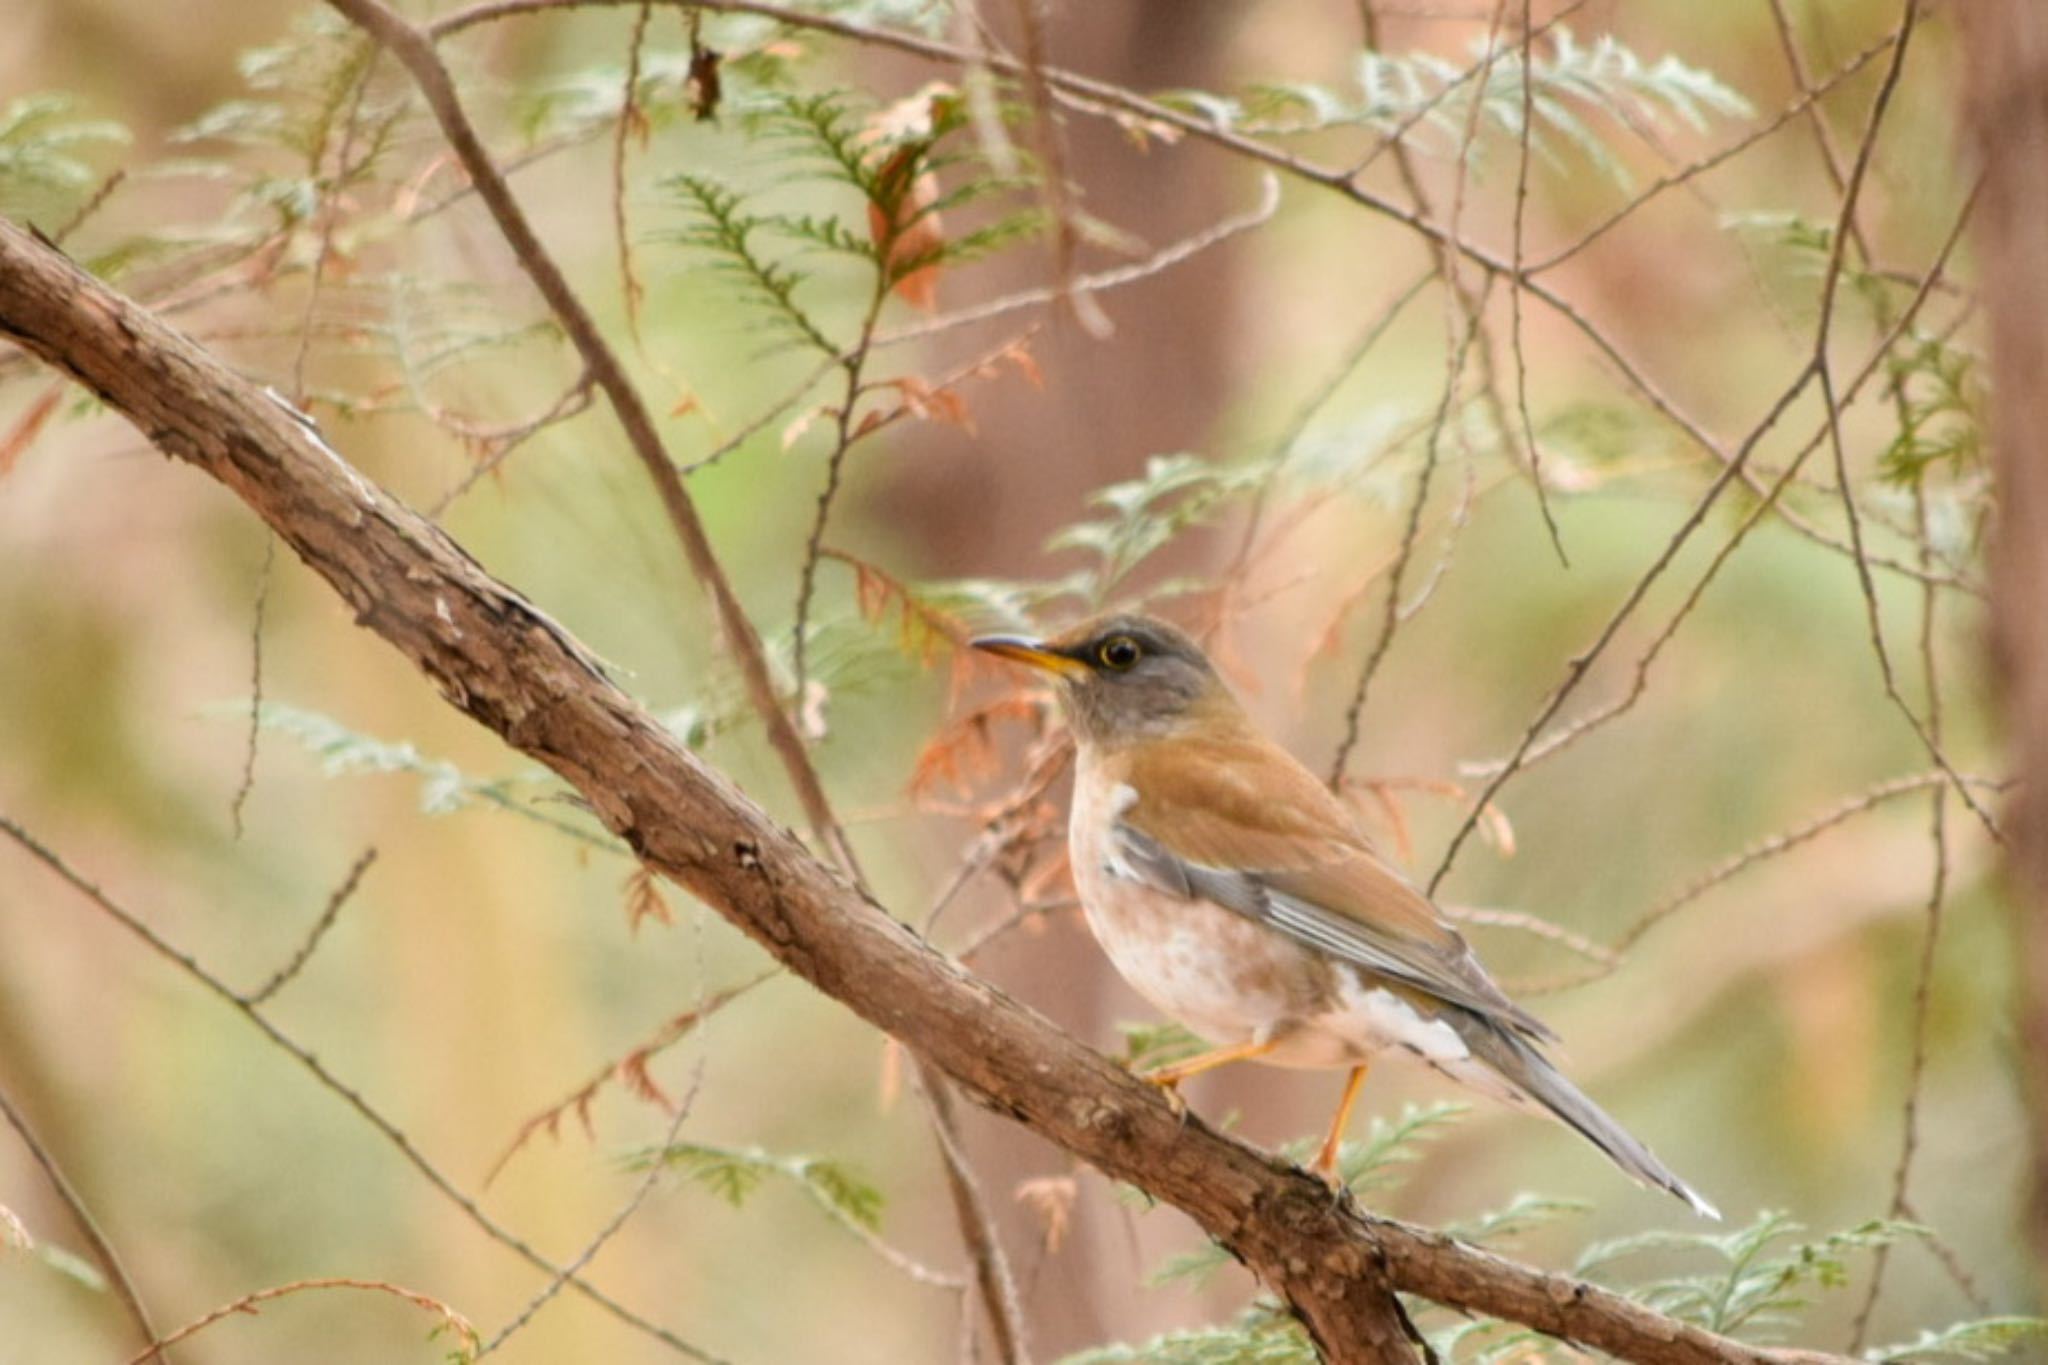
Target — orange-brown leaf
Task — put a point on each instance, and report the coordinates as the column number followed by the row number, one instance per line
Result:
column 28, row 426
column 1052, row 1198
column 633, row 1070
column 904, row 227
column 644, row 901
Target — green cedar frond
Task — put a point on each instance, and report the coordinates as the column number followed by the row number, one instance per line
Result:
column 41, row 141
column 1758, row 1278
column 1565, row 80
column 1175, row 493
column 1260, row 1336
column 723, row 228
column 1975, row 1340
column 444, row 788
column 734, row 1173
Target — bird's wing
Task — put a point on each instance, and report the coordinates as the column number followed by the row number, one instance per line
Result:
column 1250, row 829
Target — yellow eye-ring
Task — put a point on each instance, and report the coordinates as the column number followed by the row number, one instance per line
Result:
column 1118, row 652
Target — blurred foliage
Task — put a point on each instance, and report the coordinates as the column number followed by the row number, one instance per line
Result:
column 763, row 217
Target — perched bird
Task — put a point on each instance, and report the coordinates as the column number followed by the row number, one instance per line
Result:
column 1240, row 897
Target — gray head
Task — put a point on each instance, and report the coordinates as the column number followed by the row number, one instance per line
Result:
column 1123, row 677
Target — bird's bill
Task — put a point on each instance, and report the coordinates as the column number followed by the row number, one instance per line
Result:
column 1024, row 650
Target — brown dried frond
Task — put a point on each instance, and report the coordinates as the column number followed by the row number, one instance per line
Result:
column 1051, row 1198
column 644, row 901
column 630, row 1069
column 964, row 749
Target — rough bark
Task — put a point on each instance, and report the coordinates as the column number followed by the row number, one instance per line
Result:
column 500, row 660
column 2006, row 45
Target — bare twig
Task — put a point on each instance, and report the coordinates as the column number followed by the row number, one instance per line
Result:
column 1579, row 729
column 304, row 955
column 415, row 50
column 634, row 1199
column 504, row 440
column 853, row 364
column 1515, row 296
column 249, row 1303
column 994, row 1285
column 1761, row 851
column 631, row 123
column 1464, row 314
column 247, row 783
column 626, row 1068
column 1824, row 370
column 102, row 1249
column 390, row 1132
column 1049, row 143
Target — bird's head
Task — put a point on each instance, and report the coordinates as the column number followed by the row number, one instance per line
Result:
column 1122, row 677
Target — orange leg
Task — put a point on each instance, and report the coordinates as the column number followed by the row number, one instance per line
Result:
column 1326, row 1159
column 1168, row 1078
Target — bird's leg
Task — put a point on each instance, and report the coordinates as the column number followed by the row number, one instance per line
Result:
column 1326, row 1159
column 1168, row 1078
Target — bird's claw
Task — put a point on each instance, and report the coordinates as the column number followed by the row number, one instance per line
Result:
column 1168, row 1087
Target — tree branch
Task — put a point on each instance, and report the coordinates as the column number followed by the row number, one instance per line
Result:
column 415, row 51
column 500, row 660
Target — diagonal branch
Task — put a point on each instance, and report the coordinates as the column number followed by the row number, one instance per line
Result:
column 415, row 50
column 500, row 660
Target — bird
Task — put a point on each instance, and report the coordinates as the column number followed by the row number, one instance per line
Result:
column 1240, row 897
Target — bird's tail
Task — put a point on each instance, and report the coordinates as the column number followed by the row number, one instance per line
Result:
column 1518, row 1063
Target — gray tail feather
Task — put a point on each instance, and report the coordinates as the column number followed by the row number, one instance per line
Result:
column 1522, row 1066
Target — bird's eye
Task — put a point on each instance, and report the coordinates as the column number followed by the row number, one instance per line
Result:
column 1118, row 652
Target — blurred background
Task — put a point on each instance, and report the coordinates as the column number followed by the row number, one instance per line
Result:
column 1762, row 1035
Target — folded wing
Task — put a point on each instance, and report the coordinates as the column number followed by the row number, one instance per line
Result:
column 1254, row 832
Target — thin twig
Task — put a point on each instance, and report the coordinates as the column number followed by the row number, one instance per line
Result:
column 1579, row 665
column 507, row 439
column 102, row 1249
column 994, row 1285
column 390, row 1131
column 671, row 1032
column 304, row 955
column 844, row 435
column 1760, row 851
column 1692, row 170
column 631, row 121
column 1579, row 729
column 247, row 783
column 1391, row 618
column 415, row 49
column 634, row 1199
column 1283, row 446
column 1114, row 102
column 1838, row 245
column 1116, row 277
column 1515, row 298
column 1050, row 147
column 1930, row 942
column 247, row 1304
column 94, row 202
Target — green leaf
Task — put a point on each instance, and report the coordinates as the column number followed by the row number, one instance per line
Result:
column 840, row 1189
column 1521, row 1215
column 1978, row 1339
column 1375, row 1163
column 42, row 139
column 1260, row 1336
column 1149, row 1045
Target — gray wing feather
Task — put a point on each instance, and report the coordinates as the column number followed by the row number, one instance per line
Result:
column 1244, row 892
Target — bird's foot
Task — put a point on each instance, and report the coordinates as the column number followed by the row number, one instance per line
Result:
column 1168, row 1086
column 1326, row 1166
